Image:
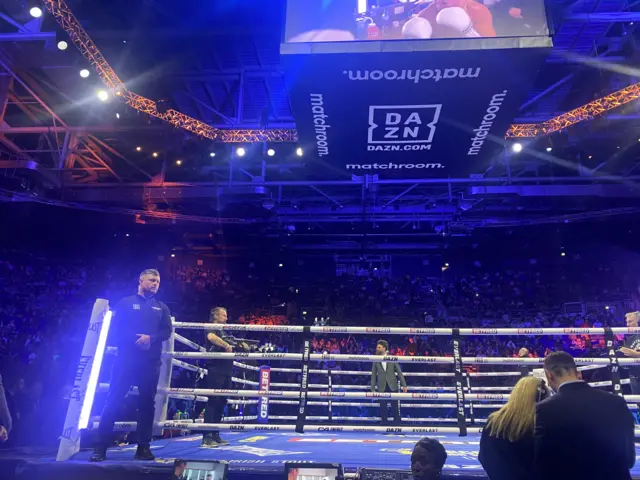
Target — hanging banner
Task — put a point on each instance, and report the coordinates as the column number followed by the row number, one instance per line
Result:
column 362, row 20
column 409, row 109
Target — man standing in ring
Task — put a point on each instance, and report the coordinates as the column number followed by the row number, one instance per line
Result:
column 383, row 375
column 218, row 375
column 139, row 326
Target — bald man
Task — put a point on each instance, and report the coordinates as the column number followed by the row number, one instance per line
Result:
column 458, row 19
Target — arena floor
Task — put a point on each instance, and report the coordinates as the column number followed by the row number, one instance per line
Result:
column 268, row 451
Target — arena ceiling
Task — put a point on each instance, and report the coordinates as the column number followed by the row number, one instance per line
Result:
column 221, row 65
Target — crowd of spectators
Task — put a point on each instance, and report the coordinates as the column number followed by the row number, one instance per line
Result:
column 45, row 303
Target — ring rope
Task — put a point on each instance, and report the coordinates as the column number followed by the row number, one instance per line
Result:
column 411, row 331
column 392, row 358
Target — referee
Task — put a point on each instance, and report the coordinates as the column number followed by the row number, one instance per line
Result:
column 139, row 326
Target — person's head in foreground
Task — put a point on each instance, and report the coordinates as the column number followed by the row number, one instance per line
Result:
column 428, row 459
column 516, row 419
column 559, row 367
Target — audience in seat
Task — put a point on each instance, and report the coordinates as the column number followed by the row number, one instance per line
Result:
column 428, row 459
column 581, row 433
column 506, row 446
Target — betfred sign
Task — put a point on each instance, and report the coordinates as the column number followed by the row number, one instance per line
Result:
column 409, row 109
column 263, row 403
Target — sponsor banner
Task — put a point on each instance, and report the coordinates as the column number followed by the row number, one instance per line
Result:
column 263, row 404
column 375, row 20
column 408, row 114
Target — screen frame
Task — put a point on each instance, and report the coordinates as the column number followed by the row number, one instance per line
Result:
column 291, row 465
column 200, row 460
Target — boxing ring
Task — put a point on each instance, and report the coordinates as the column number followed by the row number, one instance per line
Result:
column 262, row 438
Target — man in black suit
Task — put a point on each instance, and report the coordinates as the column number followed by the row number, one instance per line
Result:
column 581, row 433
column 383, row 375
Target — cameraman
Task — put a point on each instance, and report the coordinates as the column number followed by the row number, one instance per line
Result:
column 218, row 376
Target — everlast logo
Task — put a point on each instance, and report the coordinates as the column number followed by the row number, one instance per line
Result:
column 76, row 393
column 237, row 427
column 425, row 430
column 184, row 390
column 82, row 365
column 262, row 429
column 96, row 326
column 423, row 359
column 330, row 429
column 274, row 355
column 394, row 430
column 69, row 434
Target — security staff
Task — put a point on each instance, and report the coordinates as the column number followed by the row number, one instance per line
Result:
column 383, row 375
column 139, row 326
column 218, row 375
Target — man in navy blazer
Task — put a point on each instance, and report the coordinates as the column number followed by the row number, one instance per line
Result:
column 581, row 433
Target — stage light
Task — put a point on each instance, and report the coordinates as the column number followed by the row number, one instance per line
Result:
column 549, row 149
column 241, row 152
column 62, row 45
column 280, row 265
column 299, row 151
column 516, row 147
column 178, row 162
column 173, row 255
column 103, row 95
column 138, row 149
column 118, row 116
column 35, row 12
column 155, row 154
column 271, row 152
column 212, row 154
column 563, row 254
column 84, row 73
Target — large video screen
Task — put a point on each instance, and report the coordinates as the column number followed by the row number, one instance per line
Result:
column 372, row 20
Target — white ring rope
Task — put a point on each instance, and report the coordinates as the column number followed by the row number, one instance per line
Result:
column 409, row 331
column 373, row 404
column 367, row 388
column 371, row 419
column 406, row 374
column 392, row 358
column 392, row 396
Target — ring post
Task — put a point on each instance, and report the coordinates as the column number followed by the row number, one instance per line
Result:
column 88, row 366
column 164, row 384
column 457, row 362
column 614, row 365
column 330, row 390
column 304, row 383
column 471, row 413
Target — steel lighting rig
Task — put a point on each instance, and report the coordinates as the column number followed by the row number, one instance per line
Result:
column 67, row 20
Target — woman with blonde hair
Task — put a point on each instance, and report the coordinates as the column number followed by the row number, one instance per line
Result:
column 506, row 446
